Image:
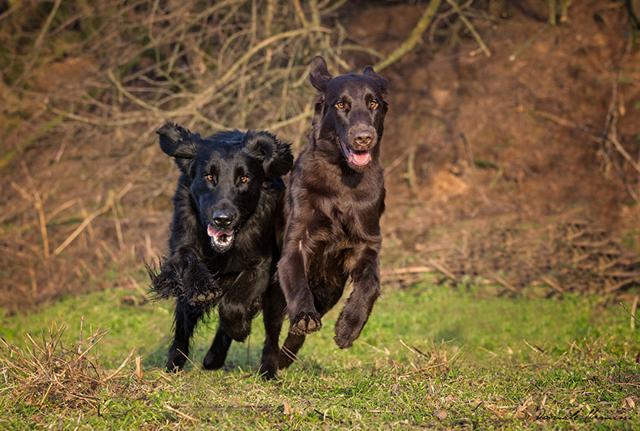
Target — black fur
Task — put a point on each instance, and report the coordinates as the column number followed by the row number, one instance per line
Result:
column 222, row 248
column 333, row 203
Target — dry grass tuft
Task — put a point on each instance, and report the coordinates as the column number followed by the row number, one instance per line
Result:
column 48, row 372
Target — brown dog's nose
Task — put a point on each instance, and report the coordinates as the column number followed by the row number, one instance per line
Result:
column 363, row 140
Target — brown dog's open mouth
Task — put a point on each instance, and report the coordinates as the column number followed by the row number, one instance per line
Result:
column 359, row 158
column 221, row 239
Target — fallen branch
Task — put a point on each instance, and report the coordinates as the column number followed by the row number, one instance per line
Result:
column 440, row 267
column 504, row 283
column 413, row 38
column 406, row 271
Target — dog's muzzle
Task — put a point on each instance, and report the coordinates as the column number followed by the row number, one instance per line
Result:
column 221, row 239
column 221, row 231
column 362, row 139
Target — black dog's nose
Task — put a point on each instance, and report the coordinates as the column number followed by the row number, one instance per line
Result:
column 363, row 140
column 222, row 219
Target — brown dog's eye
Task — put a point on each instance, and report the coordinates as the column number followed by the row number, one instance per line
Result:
column 341, row 106
column 373, row 105
column 244, row 179
column 209, row 178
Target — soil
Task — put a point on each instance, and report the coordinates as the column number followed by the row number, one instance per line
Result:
column 473, row 141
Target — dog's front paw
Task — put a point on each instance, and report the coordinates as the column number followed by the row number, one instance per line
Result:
column 203, row 287
column 166, row 283
column 176, row 360
column 305, row 323
column 346, row 332
column 343, row 342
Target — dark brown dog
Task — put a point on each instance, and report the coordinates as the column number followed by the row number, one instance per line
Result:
column 333, row 204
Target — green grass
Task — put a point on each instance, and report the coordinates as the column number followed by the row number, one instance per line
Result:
column 429, row 357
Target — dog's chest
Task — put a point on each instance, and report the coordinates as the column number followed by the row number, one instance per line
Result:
column 351, row 219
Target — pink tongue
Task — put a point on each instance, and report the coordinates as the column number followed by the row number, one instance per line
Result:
column 214, row 233
column 211, row 231
column 360, row 159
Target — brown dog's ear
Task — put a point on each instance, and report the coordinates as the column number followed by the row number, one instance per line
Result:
column 179, row 143
column 382, row 82
column 276, row 155
column 319, row 74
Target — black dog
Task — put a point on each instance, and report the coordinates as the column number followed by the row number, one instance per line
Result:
column 222, row 245
column 333, row 204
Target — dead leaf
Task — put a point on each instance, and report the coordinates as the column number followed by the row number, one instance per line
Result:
column 441, row 414
column 630, row 403
column 286, row 408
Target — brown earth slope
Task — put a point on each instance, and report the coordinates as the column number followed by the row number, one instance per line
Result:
column 485, row 156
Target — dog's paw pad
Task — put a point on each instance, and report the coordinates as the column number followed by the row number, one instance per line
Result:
column 305, row 323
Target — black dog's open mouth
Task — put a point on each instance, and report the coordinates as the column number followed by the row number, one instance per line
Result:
column 221, row 239
column 359, row 158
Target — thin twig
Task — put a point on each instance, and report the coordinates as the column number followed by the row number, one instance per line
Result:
column 38, row 43
column 42, row 219
column 179, row 413
column 413, row 38
column 90, row 218
column 122, row 365
column 471, row 28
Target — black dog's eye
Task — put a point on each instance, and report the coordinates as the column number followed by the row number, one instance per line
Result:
column 210, row 178
column 341, row 106
column 244, row 179
column 373, row 105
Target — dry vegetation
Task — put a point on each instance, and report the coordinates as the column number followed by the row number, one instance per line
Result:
column 86, row 195
column 48, row 372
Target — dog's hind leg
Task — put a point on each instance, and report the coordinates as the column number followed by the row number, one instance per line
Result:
column 274, row 307
column 218, row 351
column 186, row 319
column 366, row 289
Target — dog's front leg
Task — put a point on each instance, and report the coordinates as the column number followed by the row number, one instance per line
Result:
column 184, row 275
column 199, row 283
column 366, row 289
column 302, row 312
column 186, row 318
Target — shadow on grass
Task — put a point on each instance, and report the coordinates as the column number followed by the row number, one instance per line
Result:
column 448, row 334
column 241, row 355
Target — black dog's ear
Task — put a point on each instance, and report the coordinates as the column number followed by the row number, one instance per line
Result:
column 179, row 143
column 276, row 155
column 382, row 82
column 319, row 74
